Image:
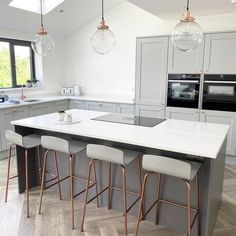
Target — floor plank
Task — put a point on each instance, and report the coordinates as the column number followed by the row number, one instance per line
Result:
column 55, row 220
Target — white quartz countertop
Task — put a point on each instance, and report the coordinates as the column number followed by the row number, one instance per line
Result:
column 51, row 98
column 188, row 137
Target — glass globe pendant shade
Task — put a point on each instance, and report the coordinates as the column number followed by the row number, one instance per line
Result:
column 187, row 35
column 42, row 43
column 103, row 41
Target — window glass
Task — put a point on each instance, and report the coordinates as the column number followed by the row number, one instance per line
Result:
column 16, row 63
column 5, row 65
column 22, row 64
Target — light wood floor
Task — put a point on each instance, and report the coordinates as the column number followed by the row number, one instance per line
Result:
column 55, row 220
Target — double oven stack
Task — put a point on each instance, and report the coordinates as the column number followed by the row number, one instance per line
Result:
column 218, row 92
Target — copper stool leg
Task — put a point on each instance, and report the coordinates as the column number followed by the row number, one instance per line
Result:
column 27, row 182
column 141, row 202
column 109, row 185
column 71, row 191
column 198, row 204
column 125, row 198
column 39, row 164
column 57, row 172
column 42, row 182
column 86, row 194
column 8, row 171
column 95, row 180
column 158, row 198
column 189, row 207
column 140, row 180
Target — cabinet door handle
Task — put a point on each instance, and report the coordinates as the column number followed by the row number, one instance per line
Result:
column 100, row 104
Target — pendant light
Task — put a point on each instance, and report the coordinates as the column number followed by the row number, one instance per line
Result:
column 187, row 34
column 42, row 43
column 103, row 41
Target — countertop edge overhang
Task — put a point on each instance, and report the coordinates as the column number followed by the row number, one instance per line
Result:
column 186, row 137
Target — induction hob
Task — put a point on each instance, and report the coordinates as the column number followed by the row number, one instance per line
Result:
column 130, row 119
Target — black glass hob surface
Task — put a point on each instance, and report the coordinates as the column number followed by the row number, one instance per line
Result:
column 130, row 120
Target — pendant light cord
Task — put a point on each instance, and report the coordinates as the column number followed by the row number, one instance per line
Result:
column 102, row 9
column 41, row 12
column 187, row 5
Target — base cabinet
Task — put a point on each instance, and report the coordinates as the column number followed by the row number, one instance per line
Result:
column 182, row 114
column 39, row 109
column 150, row 111
column 216, row 117
column 7, row 116
column 59, row 106
column 125, row 109
column 78, row 104
column 101, row 106
column 221, row 117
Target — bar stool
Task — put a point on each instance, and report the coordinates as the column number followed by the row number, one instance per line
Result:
column 111, row 155
column 26, row 142
column 185, row 170
column 70, row 148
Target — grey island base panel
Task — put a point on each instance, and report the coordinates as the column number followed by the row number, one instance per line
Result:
column 211, row 183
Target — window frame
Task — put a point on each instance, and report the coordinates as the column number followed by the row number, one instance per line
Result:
column 18, row 42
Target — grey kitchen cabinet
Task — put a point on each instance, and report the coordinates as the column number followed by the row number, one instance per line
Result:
column 151, row 71
column 78, row 104
column 7, row 116
column 101, row 106
column 220, row 53
column 125, row 108
column 216, row 117
column 40, row 109
column 182, row 114
column 221, row 117
column 185, row 62
column 150, row 111
column 59, row 105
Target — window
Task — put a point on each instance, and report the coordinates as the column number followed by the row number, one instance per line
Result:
column 16, row 63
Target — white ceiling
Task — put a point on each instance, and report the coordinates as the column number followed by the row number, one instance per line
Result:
column 76, row 13
column 170, row 9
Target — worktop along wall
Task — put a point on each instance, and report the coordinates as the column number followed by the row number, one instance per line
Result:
column 114, row 73
column 49, row 68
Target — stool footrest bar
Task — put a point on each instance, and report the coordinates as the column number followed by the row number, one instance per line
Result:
column 97, row 195
column 56, row 183
column 76, row 195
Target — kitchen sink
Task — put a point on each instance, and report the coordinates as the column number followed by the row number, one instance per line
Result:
column 32, row 100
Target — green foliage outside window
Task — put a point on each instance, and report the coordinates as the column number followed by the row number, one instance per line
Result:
column 21, row 60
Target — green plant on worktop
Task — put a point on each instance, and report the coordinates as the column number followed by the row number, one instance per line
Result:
column 32, row 83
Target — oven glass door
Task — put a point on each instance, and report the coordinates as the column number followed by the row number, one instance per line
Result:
column 219, row 96
column 183, row 94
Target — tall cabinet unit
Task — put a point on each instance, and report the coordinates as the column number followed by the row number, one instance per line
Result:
column 220, row 53
column 151, row 76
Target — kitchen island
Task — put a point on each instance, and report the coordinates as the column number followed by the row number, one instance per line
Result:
column 201, row 142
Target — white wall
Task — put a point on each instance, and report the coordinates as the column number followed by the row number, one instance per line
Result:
column 114, row 73
column 50, row 68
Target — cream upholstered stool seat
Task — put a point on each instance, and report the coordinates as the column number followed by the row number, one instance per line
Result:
column 70, row 148
column 111, row 155
column 186, row 170
column 26, row 142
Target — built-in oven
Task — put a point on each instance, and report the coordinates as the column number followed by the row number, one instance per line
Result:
column 219, row 92
column 183, row 90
